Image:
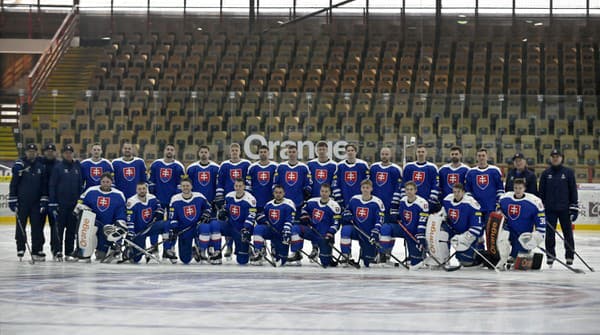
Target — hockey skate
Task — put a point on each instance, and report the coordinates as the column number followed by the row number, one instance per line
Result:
column 170, row 255
column 40, row 256
column 346, row 260
column 153, row 250
column 20, row 254
column 113, row 253
column 295, row 259
column 216, row 258
column 259, row 258
column 227, row 251
column 314, row 253
column 58, row 257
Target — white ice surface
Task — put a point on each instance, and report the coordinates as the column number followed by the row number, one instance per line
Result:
column 77, row 298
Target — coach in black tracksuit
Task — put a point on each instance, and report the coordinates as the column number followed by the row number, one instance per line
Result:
column 49, row 160
column 521, row 170
column 66, row 185
column 558, row 191
column 28, row 197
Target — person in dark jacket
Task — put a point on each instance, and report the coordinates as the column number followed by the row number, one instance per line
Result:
column 66, row 185
column 521, row 170
column 558, row 191
column 28, row 197
column 49, row 160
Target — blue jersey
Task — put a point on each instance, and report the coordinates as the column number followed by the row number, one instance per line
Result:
column 449, row 176
column 165, row 178
column 141, row 213
column 259, row 181
column 128, row 174
column 280, row 214
column 348, row 178
column 387, row 183
column 295, row 181
column 241, row 211
column 204, row 178
column 523, row 214
column 425, row 175
column 184, row 213
column 414, row 215
column 92, row 171
column 463, row 215
column 321, row 173
column 485, row 185
column 228, row 173
column 108, row 206
column 366, row 214
column 325, row 217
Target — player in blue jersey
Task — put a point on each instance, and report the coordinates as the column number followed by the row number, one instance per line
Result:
column 94, row 167
column 187, row 210
column 350, row 173
column 413, row 214
column 204, row 174
column 274, row 224
column 260, row 178
column 464, row 225
column 295, row 178
column 484, row 183
column 108, row 204
column 453, row 172
column 322, row 169
column 145, row 217
column 165, row 176
column 320, row 218
column 425, row 175
column 236, row 220
column 525, row 218
column 129, row 170
column 387, row 182
column 365, row 212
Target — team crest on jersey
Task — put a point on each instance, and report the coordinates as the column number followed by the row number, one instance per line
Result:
column 203, row 178
column 146, row 214
column 129, row 173
column 362, row 213
column 321, row 175
column 264, row 177
column 235, row 174
column 274, row 215
column 234, row 211
column 452, row 178
column 291, row 177
column 318, row 214
column 453, row 214
column 189, row 212
column 381, row 178
column 418, row 177
column 483, row 180
column 514, row 211
column 96, row 172
column 350, row 177
column 103, row 203
column 407, row 215
column 166, row 174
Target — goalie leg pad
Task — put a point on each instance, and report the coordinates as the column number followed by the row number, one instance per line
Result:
column 437, row 239
column 87, row 234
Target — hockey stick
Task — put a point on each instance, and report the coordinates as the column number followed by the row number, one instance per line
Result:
column 377, row 244
column 441, row 264
column 281, row 236
column 355, row 265
column 249, row 243
column 485, row 259
column 571, row 248
column 142, row 250
column 561, row 262
column 22, row 230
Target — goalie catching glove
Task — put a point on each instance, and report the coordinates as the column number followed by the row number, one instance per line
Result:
column 530, row 241
column 462, row 242
column 115, row 232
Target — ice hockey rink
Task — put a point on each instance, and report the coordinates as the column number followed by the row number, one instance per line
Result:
column 78, row 298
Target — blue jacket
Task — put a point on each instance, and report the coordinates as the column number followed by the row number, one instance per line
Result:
column 66, row 183
column 558, row 189
column 29, row 181
column 528, row 175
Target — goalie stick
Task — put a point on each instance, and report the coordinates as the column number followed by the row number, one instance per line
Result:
column 377, row 244
column 333, row 247
column 561, row 262
column 485, row 259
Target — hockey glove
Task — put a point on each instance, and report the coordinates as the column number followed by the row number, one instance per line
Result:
column 347, row 217
column 573, row 212
column 13, row 203
column 422, row 241
column 394, row 214
column 245, row 235
column 219, row 201
column 159, row 215
column 43, row 205
column 172, row 236
column 286, row 236
column 205, row 218
column 305, row 219
column 434, row 206
column 329, row 238
column 374, row 236
column 222, row 214
column 462, row 242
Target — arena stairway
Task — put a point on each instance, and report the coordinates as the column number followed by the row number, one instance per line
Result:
column 8, row 149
